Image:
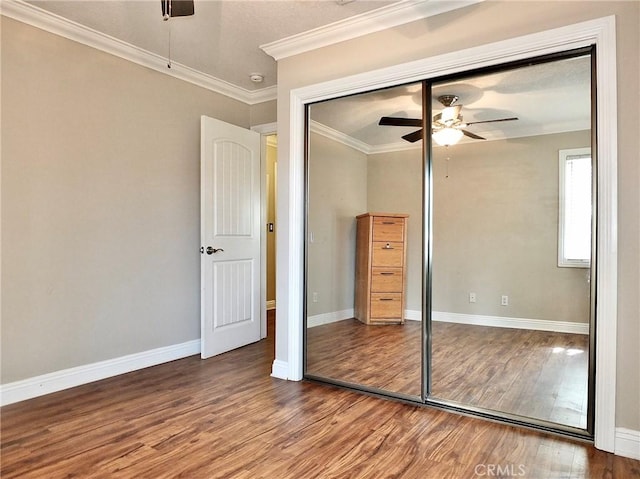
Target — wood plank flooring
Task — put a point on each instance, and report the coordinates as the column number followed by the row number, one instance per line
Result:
column 226, row 418
column 536, row 374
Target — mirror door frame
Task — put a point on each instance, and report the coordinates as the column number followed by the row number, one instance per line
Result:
column 601, row 34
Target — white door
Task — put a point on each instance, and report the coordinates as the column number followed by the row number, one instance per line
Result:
column 230, row 236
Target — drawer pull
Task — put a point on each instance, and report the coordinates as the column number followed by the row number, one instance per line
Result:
column 388, row 222
column 387, row 273
column 387, row 246
column 386, row 299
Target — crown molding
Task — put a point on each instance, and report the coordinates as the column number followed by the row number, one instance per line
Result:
column 52, row 23
column 394, row 147
column 338, row 136
column 399, row 13
column 359, row 145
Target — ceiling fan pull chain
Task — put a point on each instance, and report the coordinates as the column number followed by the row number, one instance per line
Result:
column 169, row 59
column 447, row 172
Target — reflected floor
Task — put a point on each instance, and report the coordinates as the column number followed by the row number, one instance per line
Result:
column 535, row 374
column 385, row 357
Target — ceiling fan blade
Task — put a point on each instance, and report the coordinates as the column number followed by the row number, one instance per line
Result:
column 178, row 8
column 490, row 121
column 472, row 135
column 413, row 137
column 396, row 121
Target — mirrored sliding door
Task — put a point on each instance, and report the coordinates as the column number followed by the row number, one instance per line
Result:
column 455, row 269
column 512, row 221
column 364, row 243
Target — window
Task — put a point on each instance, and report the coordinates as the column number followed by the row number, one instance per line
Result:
column 574, row 229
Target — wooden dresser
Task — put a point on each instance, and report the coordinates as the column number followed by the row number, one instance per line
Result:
column 381, row 251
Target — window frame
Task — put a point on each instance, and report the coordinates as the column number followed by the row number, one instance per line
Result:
column 563, row 156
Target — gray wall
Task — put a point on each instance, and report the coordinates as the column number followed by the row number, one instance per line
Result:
column 100, row 203
column 395, row 186
column 495, row 227
column 337, row 194
column 482, row 24
column 496, row 230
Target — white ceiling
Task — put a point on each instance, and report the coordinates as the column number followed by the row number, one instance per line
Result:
column 223, row 41
column 546, row 98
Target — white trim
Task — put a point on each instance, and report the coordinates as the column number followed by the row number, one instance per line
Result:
column 501, row 322
column 271, row 304
column 266, row 128
column 514, row 323
column 389, row 16
column 627, row 443
column 338, row 136
column 393, row 147
column 72, row 377
column 602, row 33
column 412, row 315
column 326, row 318
column 52, row 23
column 604, row 36
column 359, row 145
column 294, row 271
column 280, row 369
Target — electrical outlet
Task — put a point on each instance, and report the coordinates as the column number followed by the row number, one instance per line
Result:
column 472, row 297
column 505, row 300
column 314, row 297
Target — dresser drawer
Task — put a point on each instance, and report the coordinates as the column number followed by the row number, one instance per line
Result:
column 386, row 280
column 386, row 306
column 388, row 229
column 387, row 254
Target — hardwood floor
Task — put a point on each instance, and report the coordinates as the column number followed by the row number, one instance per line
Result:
column 226, row 418
column 530, row 373
column 383, row 356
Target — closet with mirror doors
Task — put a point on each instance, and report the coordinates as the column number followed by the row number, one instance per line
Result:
column 454, row 268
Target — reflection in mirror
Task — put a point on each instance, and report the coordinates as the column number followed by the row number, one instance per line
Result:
column 364, row 200
column 512, row 242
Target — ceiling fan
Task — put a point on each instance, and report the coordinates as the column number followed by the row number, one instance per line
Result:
column 448, row 125
column 176, row 8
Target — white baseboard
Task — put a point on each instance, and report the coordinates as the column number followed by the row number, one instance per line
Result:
column 271, row 304
column 327, row 318
column 502, row 322
column 280, row 369
column 72, row 377
column 627, row 443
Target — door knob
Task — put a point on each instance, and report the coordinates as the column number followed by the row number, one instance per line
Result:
column 211, row 250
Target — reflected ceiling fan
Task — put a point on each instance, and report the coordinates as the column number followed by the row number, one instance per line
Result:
column 448, row 125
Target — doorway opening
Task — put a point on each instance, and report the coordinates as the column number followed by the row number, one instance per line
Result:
column 271, row 188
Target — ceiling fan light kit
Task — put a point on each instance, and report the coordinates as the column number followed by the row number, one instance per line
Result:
column 447, row 136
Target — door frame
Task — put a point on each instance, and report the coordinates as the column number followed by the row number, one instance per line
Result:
column 265, row 130
column 599, row 32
